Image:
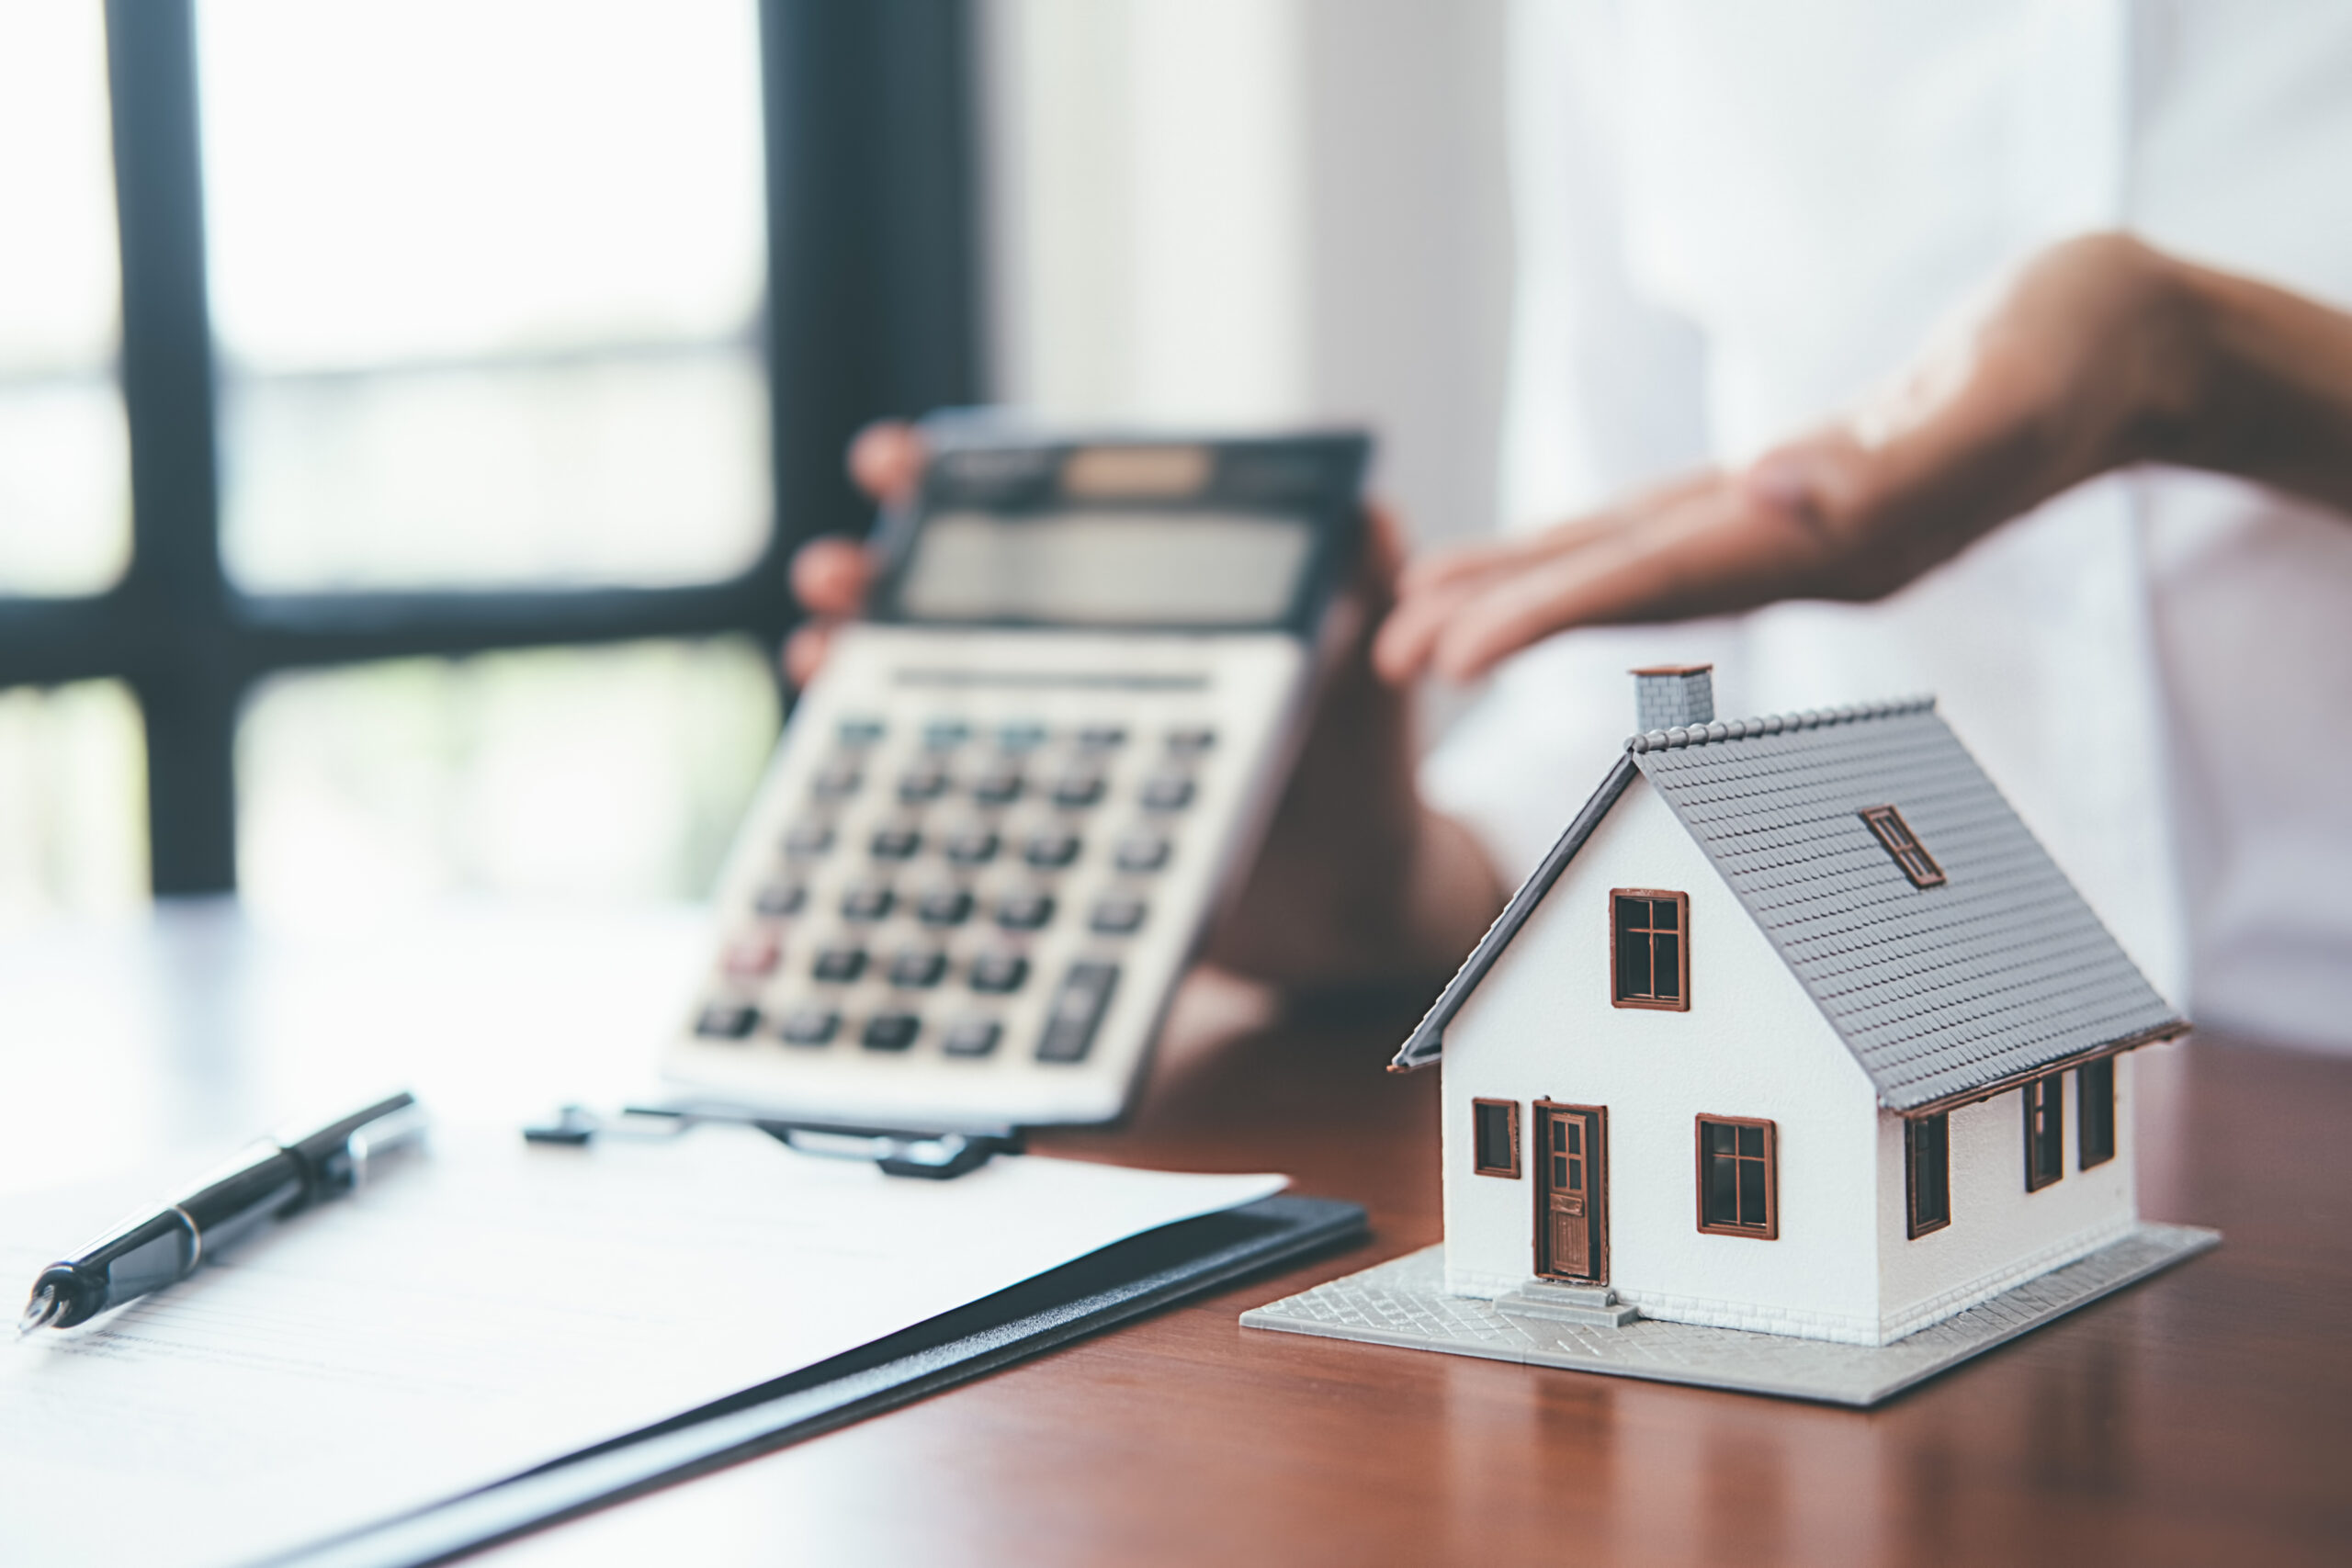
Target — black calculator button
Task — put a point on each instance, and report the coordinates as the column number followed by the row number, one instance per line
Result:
column 971, row 1037
column 1168, row 792
column 895, row 843
column 1078, row 1009
column 781, row 898
column 1024, row 911
column 946, row 734
column 859, row 732
column 971, row 849
column 917, row 968
column 1078, row 789
column 868, row 903
column 947, row 907
column 919, row 785
column 1000, row 787
column 721, row 1021
column 1118, row 917
column 891, row 1030
column 1141, row 851
column 840, row 964
column 1191, row 742
column 1020, row 736
column 838, row 783
column 1051, row 850
column 810, row 1026
column 1102, row 736
column 999, row 971
column 808, row 840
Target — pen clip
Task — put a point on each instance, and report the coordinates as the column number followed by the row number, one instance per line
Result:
column 388, row 1133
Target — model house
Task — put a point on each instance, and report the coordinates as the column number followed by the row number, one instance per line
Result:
column 1797, row 1028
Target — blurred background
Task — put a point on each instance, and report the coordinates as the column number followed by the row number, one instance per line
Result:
column 406, row 408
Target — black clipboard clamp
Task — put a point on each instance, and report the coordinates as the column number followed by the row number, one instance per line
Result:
column 938, row 1154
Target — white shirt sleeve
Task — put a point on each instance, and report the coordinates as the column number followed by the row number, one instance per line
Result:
column 1607, row 388
column 1608, row 392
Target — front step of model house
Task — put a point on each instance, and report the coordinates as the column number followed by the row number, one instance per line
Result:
column 1797, row 1028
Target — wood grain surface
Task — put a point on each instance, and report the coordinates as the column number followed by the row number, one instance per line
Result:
column 2204, row 1416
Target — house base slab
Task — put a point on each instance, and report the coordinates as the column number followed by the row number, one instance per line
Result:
column 1404, row 1302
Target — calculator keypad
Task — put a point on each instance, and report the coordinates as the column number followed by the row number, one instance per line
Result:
column 1004, row 868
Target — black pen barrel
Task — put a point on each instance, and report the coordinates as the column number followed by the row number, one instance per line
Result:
column 163, row 1245
column 267, row 1181
column 264, row 1184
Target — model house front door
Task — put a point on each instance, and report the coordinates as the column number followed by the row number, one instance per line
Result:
column 1572, row 1192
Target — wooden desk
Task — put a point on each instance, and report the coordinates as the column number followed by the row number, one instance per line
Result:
column 2202, row 1417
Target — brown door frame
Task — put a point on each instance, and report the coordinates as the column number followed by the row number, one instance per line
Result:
column 1595, row 1188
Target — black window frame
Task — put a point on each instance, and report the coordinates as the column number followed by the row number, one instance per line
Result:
column 2044, row 1099
column 2095, row 1112
column 872, row 309
column 1927, row 1174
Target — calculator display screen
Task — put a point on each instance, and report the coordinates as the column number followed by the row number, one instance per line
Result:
column 1107, row 567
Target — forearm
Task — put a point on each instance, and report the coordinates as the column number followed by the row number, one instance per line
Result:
column 2271, row 395
column 1404, row 909
column 1453, row 895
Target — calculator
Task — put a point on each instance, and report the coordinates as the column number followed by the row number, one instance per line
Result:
column 1001, row 817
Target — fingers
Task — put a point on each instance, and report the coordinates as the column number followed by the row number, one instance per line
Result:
column 830, row 576
column 1709, row 552
column 804, row 652
column 1401, row 650
column 885, row 461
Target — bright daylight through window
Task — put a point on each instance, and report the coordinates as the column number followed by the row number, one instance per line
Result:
column 476, row 329
column 71, row 804
column 484, row 315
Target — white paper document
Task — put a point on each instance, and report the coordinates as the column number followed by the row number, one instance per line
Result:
column 489, row 1306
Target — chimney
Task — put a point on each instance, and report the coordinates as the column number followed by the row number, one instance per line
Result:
column 1674, row 696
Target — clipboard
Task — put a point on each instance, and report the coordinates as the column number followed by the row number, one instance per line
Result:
column 1121, row 1282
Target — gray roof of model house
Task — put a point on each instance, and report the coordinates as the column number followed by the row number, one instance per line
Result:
column 1942, row 993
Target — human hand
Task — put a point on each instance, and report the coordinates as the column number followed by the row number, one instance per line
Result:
column 1356, row 880
column 2088, row 358
column 832, row 575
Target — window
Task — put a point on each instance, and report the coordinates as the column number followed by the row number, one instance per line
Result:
column 2045, row 1131
column 1927, row 1174
column 1493, row 1125
column 561, row 286
column 1896, row 835
column 2095, row 1113
column 1649, row 950
column 1738, row 1178
column 567, row 362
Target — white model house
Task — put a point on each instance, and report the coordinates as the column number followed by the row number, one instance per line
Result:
column 1796, row 1029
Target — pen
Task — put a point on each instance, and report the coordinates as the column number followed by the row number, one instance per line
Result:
column 275, row 1179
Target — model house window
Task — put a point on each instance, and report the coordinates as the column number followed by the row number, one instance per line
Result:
column 2045, row 1131
column 1649, row 953
column 1904, row 845
column 2094, row 1116
column 1738, row 1177
column 1927, row 1173
column 1494, row 1137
